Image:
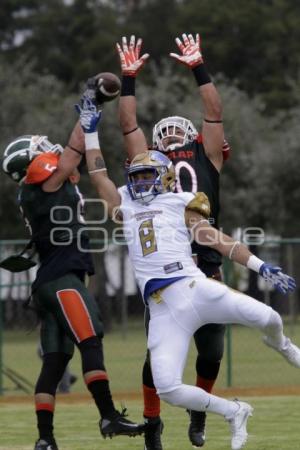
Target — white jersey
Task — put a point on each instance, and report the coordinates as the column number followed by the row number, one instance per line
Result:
column 158, row 240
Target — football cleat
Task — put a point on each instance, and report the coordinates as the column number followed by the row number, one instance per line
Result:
column 42, row 444
column 238, row 425
column 196, row 431
column 118, row 425
column 153, row 430
column 289, row 351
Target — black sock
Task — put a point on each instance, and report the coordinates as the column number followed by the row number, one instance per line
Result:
column 45, row 423
column 102, row 396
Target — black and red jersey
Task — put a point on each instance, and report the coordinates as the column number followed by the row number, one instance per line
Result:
column 196, row 173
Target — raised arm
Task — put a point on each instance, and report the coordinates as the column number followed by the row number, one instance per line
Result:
column 68, row 160
column 131, row 63
column 204, row 234
column 107, row 191
column 212, row 128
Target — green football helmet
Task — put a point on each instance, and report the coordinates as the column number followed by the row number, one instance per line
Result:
column 21, row 151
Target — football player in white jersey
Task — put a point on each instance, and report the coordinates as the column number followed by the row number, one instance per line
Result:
column 159, row 226
column 198, row 159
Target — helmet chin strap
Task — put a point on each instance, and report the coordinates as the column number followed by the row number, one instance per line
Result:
column 21, row 181
column 145, row 200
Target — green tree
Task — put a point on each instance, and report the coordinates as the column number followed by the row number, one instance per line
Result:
column 39, row 105
column 254, row 42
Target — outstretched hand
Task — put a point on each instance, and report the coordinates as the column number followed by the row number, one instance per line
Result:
column 273, row 274
column 191, row 52
column 131, row 62
column 89, row 116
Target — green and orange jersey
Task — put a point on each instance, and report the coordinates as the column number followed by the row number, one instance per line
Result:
column 57, row 229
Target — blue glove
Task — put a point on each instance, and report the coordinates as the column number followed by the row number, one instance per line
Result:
column 282, row 282
column 88, row 115
column 90, row 92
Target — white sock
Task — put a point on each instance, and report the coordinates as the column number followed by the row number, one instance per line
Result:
column 274, row 330
column 195, row 398
column 219, row 405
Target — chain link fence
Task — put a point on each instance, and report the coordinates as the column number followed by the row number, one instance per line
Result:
column 116, row 293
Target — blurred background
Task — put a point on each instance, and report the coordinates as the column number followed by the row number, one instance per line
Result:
column 252, row 50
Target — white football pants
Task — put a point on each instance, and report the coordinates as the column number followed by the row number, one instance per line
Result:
column 185, row 306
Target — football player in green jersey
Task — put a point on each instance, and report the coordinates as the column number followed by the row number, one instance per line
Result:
column 51, row 204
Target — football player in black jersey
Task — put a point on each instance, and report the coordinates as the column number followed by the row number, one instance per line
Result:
column 198, row 159
column 51, row 203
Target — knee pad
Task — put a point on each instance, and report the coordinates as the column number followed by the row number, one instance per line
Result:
column 178, row 396
column 164, row 381
column 91, row 350
column 187, row 396
column 207, row 369
column 174, row 397
column 274, row 324
column 54, row 365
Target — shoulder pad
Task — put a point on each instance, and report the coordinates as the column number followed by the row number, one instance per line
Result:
column 41, row 168
column 200, row 204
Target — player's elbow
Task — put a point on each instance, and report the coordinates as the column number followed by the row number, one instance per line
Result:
column 215, row 111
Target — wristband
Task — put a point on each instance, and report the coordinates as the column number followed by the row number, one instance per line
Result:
column 91, row 141
column 128, row 86
column 97, row 170
column 254, row 263
column 201, row 75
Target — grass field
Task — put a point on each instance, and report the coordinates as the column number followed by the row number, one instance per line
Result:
column 256, row 369
column 274, row 426
column 253, row 364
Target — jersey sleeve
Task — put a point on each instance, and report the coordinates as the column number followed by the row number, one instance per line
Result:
column 185, row 197
column 125, row 197
column 226, row 149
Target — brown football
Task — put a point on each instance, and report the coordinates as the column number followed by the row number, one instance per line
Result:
column 108, row 87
